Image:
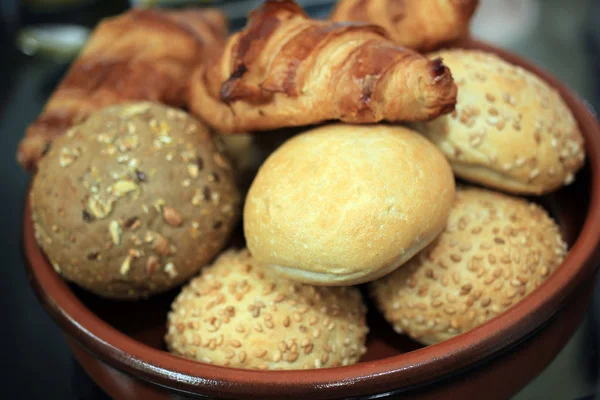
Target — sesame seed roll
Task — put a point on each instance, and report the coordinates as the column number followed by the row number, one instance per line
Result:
column 133, row 201
column 239, row 314
column 495, row 250
column 510, row 131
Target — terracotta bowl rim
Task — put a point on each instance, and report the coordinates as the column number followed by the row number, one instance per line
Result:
column 410, row 369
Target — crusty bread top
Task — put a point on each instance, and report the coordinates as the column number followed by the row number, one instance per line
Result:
column 347, row 200
column 510, row 130
column 417, row 24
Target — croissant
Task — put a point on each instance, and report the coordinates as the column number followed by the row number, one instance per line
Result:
column 284, row 69
column 139, row 55
column 417, row 24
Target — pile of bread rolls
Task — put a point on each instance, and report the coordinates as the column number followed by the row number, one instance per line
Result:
column 336, row 143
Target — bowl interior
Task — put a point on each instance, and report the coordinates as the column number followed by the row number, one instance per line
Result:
column 129, row 335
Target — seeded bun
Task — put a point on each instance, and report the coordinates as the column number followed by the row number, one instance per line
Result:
column 133, row 201
column 494, row 251
column 239, row 314
column 345, row 204
column 510, row 130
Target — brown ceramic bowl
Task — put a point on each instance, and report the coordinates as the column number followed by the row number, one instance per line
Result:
column 120, row 344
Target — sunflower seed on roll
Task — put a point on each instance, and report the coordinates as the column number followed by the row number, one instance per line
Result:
column 494, row 251
column 239, row 314
column 510, row 131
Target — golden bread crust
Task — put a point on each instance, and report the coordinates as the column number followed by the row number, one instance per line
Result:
column 417, row 24
column 343, row 204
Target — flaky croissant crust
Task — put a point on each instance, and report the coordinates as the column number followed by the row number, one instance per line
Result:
column 139, row 55
column 417, row 24
column 285, row 69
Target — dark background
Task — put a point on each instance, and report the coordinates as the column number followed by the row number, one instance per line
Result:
column 563, row 36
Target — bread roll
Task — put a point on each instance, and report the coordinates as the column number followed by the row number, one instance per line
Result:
column 345, row 204
column 238, row 314
column 495, row 250
column 133, row 201
column 510, row 131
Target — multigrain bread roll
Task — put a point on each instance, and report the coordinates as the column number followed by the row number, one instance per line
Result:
column 510, row 130
column 344, row 204
column 238, row 314
column 495, row 250
column 133, row 201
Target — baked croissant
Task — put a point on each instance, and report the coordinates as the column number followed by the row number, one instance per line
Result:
column 284, row 69
column 139, row 55
column 417, row 24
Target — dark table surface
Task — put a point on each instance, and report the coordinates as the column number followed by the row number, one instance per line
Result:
column 37, row 363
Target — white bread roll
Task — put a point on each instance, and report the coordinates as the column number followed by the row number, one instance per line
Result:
column 345, row 204
column 510, row 130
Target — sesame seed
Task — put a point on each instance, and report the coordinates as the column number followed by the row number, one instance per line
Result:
column 193, row 170
column 115, row 232
column 492, row 120
column 170, row 270
column 125, row 265
column 308, row 348
column 260, row 353
column 569, row 179
column 229, row 354
column 242, row 356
